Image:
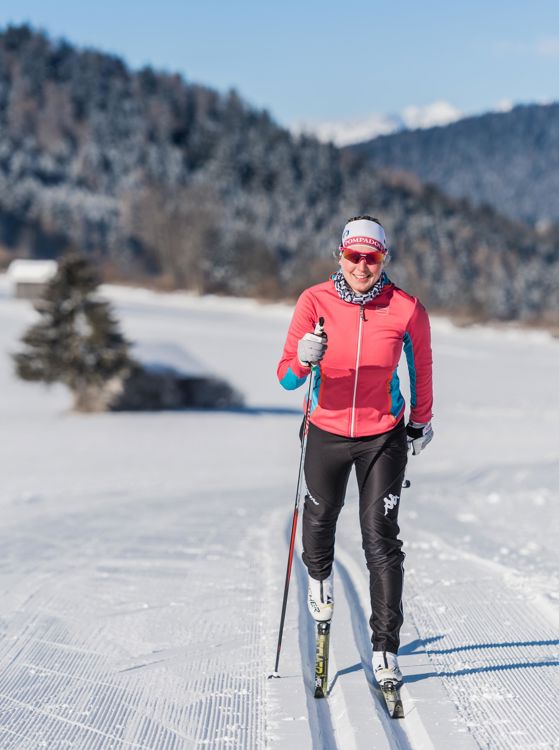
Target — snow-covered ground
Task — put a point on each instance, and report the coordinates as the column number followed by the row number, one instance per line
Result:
column 143, row 555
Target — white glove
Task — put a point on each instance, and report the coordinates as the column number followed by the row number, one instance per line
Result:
column 311, row 348
column 419, row 436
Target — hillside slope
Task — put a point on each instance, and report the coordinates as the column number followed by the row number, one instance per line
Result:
column 507, row 160
column 157, row 177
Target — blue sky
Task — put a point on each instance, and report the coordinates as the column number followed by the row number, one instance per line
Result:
column 313, row 61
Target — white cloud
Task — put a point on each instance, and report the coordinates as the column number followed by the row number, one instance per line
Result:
column 345, row 132
column 437, row 113
column 504, row 105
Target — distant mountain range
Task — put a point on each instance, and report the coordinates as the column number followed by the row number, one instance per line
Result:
column 507, row 160
column 172, row 183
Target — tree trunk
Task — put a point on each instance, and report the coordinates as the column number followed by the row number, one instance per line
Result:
column 95, row 398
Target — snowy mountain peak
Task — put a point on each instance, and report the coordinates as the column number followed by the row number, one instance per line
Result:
column 437, row 113
column 347, row 132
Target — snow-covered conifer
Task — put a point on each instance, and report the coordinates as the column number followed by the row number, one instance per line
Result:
column 77, row 340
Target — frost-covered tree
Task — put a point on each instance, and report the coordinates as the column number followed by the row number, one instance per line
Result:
column 77, row 340
column 169, row 179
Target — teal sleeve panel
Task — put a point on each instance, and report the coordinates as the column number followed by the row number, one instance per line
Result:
column 290, row 381
column 396, row 398
column 408, row 349
column 316, row 388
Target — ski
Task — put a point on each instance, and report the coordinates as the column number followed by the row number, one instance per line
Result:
column 321, row 661
column 391, row 694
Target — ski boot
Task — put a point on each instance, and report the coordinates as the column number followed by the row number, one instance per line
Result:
column 386, row 669
column 320, row 598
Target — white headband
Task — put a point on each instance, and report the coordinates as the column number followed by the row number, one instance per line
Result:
column 364, row 232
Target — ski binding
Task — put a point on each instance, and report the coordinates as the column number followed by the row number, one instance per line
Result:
column 391, row 694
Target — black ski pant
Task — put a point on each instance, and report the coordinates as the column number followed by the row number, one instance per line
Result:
column 380, row 462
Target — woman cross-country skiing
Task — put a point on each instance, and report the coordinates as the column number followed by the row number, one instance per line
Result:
column 357, row 419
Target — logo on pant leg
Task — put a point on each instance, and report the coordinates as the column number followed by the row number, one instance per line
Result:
column 390, row 502
column 310, row 497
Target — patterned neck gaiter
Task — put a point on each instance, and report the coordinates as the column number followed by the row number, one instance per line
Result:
column 348, row 295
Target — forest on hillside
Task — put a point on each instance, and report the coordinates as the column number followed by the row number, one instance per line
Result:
column 172, row 183
column 507, row 160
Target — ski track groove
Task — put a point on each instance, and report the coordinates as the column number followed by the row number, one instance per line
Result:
column 323, row 730
column 62, row 682
column 478, row 599
column 329, row 719
column 402, row 734
column 43, row 696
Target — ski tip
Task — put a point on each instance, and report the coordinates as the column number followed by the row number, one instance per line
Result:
column 319, row 693
column 274, row 676
column 398, row 712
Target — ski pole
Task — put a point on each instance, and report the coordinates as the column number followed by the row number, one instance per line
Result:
column 319, row 328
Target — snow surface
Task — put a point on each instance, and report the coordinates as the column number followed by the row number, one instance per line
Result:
column 143, row 555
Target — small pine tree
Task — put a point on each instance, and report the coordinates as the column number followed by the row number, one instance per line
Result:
column 77, row 339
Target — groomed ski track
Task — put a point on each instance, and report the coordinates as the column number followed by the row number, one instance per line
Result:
column 143, row 556
column 458, row 689
column 354, row 715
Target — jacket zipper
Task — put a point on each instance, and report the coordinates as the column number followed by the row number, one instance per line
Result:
column 361, row 319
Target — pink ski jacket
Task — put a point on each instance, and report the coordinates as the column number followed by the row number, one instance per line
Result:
column 356, row 390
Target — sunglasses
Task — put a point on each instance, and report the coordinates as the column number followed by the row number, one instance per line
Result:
column 371, row 259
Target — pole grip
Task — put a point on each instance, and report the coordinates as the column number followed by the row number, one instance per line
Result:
column 319, row 327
